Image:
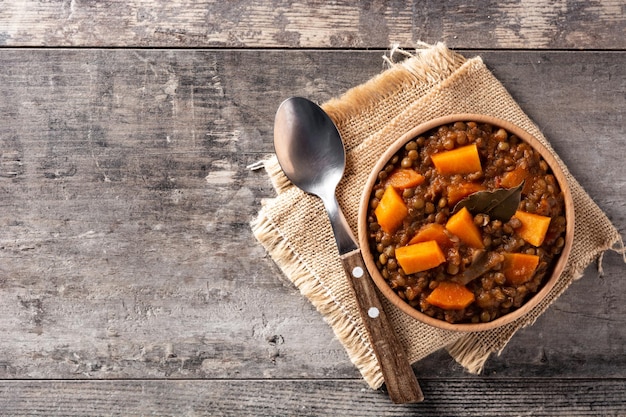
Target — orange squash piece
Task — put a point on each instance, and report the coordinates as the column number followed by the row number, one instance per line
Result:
column 420, row 256
column 513, row 178
column 451, row 296
column 403, row 178
column 534, row 227
column 391, row 210
column 519, row 268
column 458, row 191
column 462, row 225
column 432, row 231
column 463, row 160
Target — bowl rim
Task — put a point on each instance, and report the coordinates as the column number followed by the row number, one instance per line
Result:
column 545, row 153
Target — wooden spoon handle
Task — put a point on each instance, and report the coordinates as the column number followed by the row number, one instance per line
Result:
column 399, row 376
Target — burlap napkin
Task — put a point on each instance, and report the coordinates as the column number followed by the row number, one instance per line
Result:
column 294, row 228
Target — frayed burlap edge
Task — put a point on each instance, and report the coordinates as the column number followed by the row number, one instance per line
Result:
column 429, row 65
column 287, row 259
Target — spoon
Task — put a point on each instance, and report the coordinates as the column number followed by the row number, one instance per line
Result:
column 311, row 153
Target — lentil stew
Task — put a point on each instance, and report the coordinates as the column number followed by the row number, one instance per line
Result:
column 452, row 264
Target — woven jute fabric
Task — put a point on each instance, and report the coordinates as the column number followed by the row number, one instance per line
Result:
column 295, row 231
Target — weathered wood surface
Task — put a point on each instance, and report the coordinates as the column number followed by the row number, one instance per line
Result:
column 126, row 253
column 130, row 283
column 451, row 397
column 560, row 24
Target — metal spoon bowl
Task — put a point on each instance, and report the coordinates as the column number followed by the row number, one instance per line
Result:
column 311, row 153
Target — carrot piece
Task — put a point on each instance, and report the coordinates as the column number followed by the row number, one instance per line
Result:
column 432, row 231
column 462, row 225
column 464, row 160
column 458, row 191
column 451, row 296
column 419, row 256
column 534, row 227
column 391, row 210
column 513, row 178
column 403, row 178
column 519, row 268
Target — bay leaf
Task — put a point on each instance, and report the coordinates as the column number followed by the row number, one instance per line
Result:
column 499, row 204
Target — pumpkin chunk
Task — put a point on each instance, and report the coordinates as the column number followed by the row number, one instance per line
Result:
column 513, row 178
column 403, row 178
column 432, row 231
column 420, row 256
column 451, row 296
column 519, row 268
column 534, row 227
column 391, row 210
column 463, row 160
column 458, row 191
column 462, row 225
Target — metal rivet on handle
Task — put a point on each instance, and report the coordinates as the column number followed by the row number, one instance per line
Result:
column 357, row 272
column 373, row 312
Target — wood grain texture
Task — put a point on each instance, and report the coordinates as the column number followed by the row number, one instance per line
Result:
column 450, row 397
column 130, row 283
column 560, row 24
column 126, row 250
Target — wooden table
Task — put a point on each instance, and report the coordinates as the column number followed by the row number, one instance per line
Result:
column 130, row 282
